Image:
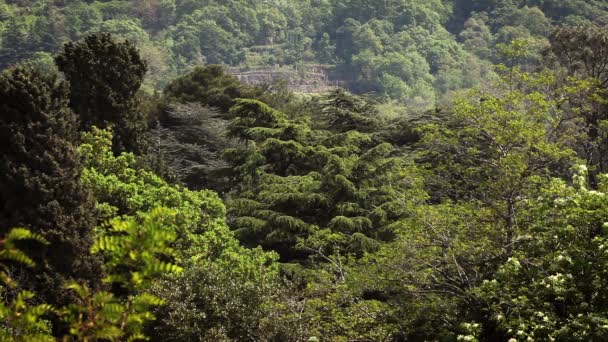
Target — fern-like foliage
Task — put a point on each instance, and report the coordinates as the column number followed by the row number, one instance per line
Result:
column 136, row 253
column 20, row 321
column 10, row 253
column 101, row 316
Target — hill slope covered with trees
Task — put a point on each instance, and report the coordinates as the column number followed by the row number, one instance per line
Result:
column 414, row 52
column 457, row 192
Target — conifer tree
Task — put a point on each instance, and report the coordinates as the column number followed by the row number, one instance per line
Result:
column 342, row 112
column 105, row 76
column 304, row 190
column 211, row 86
column 40, row 180
column 187, row 145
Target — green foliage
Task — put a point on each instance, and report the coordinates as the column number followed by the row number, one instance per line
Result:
column 336, row 309
column 209, row 86
column 254, row 120
column 14, row 43
column 135, row 253
column 227, row 293
column 20, row 320
column 9, row 252
column 583, row 53
column 485, row 167
column 393, row 219
column 39, row 181
column 124, row 189
column 445, row 45
column 551, row 287
column 426, row 275
column 343, row 112
column 126, row 29
column 105, row 76
column 129, row 244
column 204, row 246
column 295, row 184
column 498, row 144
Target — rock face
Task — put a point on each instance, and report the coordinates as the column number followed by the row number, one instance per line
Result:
column 308, row 79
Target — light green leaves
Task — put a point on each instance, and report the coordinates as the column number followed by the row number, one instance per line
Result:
column 138, row 248
column 136, row 254
column 10, row 252
column 22, row 321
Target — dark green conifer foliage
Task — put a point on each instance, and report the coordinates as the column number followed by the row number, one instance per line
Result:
column 210, row 86
column 105, row 76
column 40, row 180
column 342, row 112
column 302, row 190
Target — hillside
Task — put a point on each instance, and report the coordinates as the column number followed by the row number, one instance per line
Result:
column 301, row 171
column 415, row 52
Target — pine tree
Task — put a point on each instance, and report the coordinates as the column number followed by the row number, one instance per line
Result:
column 105, row 76
column 40, row 180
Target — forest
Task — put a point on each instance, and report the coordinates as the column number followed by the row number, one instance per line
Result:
column 413, row 52
column 454, row 189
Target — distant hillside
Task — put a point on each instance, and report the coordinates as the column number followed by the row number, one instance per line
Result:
column 417, row 52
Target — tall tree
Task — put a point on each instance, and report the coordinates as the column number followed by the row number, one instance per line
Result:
column 188, row 145
column 552, row 289
column 210, row 86
column 583, row 52
column 104, row 76
column 40, row 180
column 304, row 191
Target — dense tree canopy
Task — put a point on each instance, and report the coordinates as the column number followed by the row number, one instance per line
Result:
column 147, row 193
column 104, row 77
column 39, row 180
column 416, row 52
